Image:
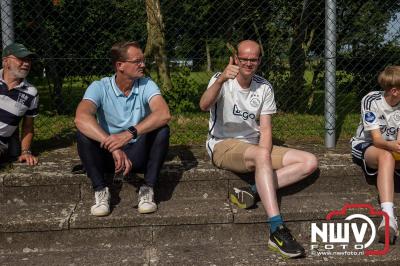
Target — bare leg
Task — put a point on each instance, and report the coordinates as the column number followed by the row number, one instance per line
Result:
column 296, row 166
column 383, row 161
column 260, row 159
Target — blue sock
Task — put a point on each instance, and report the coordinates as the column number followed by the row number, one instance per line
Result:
column 253, row 188
column 275, row 222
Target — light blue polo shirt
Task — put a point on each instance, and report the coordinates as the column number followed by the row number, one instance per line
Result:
column 115, row 111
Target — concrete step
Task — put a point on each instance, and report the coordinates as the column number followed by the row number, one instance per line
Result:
column 168, row 189
column 40, row 208
column 58, row 207
column 216, row 244
column 183, row 164
column 46, row 214
column 22, row 175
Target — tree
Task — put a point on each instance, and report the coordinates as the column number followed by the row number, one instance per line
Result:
column 304, row 27
column 362, row 48
column 74, row 39
column 156, row 42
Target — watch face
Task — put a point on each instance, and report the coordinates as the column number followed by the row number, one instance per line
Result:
column 133, row 131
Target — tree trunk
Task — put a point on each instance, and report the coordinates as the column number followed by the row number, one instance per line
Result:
column 297, row 60
column 208, row 56
column 156, row 42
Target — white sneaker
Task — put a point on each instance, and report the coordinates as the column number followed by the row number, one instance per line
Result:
column 393, row 230
column 102, row 206
column 146, row 200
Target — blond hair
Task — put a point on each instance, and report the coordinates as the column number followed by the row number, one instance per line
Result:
column 389, row 77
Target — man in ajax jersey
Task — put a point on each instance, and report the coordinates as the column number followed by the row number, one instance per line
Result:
column 241, row 104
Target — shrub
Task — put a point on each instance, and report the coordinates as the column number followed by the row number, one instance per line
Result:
column 186, row 92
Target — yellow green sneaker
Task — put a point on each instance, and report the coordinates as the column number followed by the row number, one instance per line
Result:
column 284, row 243
column 243, row 197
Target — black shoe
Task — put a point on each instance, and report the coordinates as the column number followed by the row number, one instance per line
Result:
column 242, row 197
column 283, row 242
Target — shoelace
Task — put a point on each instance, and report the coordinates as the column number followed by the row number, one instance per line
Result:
column 240, row 193
column 145, row 194
column 285, row 233
column 102, row 197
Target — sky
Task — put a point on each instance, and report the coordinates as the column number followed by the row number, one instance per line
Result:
column 393, row 29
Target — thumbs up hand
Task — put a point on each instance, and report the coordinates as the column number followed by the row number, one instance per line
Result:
column 230, row 72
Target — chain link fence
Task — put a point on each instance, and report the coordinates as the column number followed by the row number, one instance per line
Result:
column 186, row 41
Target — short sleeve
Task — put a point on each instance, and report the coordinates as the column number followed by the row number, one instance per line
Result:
column 94, row 93
column 212, row 81
column 33, row 108
column 268, row 105
column 369, row 114
column 150, row 90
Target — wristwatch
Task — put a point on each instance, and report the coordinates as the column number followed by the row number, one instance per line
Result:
column 26, row 151
column 133, row 131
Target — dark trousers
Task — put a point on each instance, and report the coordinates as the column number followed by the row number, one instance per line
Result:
column 12, row 150
column 147, row 155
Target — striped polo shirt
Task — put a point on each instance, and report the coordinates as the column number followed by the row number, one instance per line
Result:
column 14, row 104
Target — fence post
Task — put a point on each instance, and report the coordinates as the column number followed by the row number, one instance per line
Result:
column 7, row 22
column 330, row 73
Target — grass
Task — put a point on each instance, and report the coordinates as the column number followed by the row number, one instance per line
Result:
column 311, row 128
column 53, row 132
column 191, row 129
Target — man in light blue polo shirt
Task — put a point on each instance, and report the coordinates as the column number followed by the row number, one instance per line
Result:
column 122, row 126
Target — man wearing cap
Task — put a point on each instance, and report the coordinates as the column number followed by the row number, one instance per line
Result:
column 18, row 100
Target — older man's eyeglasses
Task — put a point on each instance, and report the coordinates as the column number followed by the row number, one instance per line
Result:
column 248, row 60
column 136, row 62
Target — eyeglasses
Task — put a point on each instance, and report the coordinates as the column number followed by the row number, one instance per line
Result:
column 23, row 59
column 249, row 60
column 136, row 62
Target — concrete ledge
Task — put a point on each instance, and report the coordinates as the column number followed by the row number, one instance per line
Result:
column 75, row 240
column 128, row 256
column 183, row 164
column 215, row 244
column 45, row 214
column 169, row 213
column 194, row 202
column 22, row 196
column 304, row 207
column 40, row 217
column 56, row 177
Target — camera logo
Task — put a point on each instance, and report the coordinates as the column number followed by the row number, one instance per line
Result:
column 345, row 236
